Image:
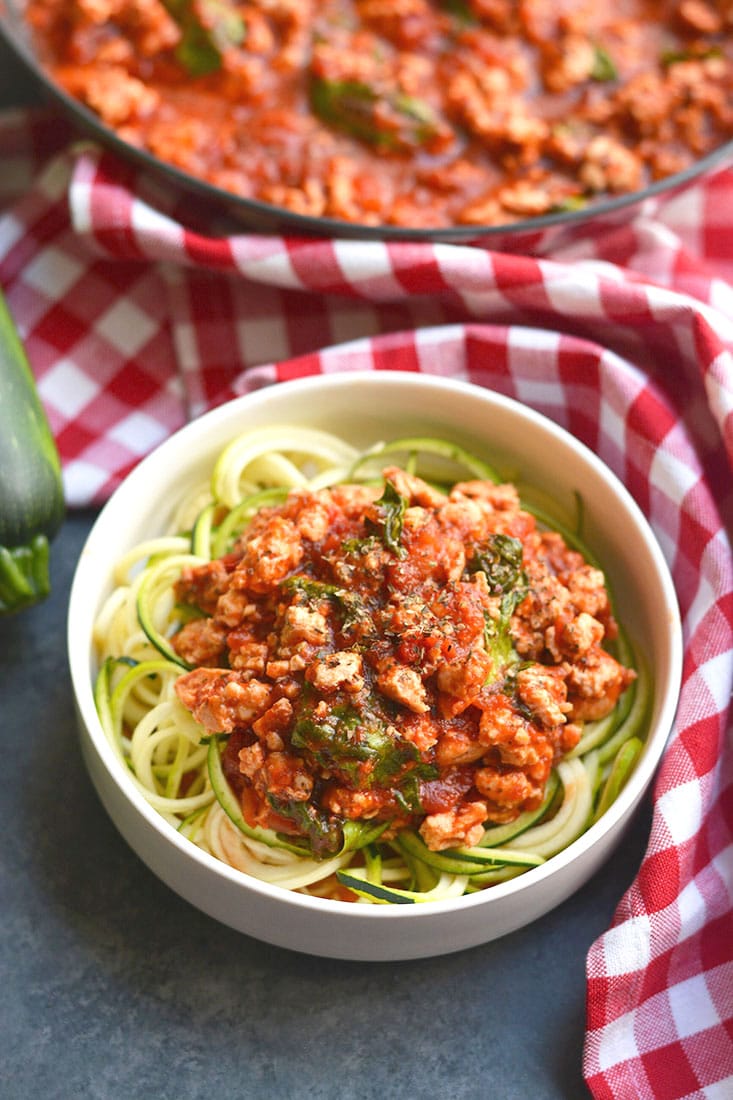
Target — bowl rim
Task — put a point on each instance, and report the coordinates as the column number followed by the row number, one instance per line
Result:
column 240, row 209
column 79, row 651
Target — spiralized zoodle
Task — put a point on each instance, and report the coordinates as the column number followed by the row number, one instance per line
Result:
column 390, row 781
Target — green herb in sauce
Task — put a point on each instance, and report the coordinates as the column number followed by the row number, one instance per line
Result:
column 497, row 637
column 604, row 67
column 350, row 604
column 392, row 511
column 208, row 28
column 500, row 558
column 386, row 121
column 353, row 743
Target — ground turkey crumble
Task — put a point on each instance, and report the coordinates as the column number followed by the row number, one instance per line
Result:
column 401, row 656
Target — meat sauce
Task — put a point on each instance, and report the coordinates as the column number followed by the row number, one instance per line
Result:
column 410, row 113
column 412, row 658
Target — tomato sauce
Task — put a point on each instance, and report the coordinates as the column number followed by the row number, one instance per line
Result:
column 415, row 658
column 413, row 113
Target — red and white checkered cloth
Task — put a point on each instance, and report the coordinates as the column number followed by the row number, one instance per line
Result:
column 134, row 324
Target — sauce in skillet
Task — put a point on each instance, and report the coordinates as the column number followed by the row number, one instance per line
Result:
column 411, row 113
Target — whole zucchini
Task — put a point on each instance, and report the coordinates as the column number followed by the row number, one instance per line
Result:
column 31, row 491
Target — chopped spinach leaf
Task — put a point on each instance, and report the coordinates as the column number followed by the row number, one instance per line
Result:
column 324, row 834
column 392, row 511
column 360, row 546
column 407, row 795
column 354, row 744
column 604, row 68
column 313, row 589
column 362, row 111
column 350, row 605
column 497, row 637
column 569, row 203
column 208, row 28
column 676, row 57
column 500, row 558
column 461, row 11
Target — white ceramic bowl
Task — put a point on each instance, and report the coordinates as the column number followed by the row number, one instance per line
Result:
column 364, row 408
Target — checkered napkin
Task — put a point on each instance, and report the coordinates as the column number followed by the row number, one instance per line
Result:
column 135, row 324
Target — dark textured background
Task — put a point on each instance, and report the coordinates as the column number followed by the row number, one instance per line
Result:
column 114, row 988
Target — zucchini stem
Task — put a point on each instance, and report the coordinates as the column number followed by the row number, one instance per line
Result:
column 24, row 575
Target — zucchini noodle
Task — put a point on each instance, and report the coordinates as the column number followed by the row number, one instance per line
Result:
column 175, row 762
